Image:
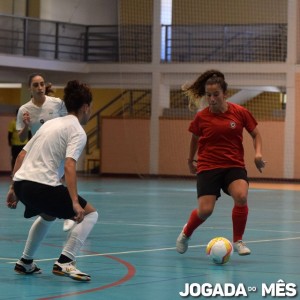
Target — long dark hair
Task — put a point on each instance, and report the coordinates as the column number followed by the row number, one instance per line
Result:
column 196, row 90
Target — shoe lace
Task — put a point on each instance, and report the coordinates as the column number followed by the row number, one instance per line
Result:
column 241, row 244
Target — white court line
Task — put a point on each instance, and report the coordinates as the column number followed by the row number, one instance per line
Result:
column 148, row 250
column 202, row 227
column 118, row 223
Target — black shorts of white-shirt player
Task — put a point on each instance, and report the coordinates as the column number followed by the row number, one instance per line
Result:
column 40, row 198
column 211, row 182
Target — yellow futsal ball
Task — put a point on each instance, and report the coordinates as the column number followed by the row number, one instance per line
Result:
column 219, row 250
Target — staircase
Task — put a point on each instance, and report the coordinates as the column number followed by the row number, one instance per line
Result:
column 128, row 104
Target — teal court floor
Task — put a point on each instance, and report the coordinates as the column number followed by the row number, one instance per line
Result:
column 131, row 253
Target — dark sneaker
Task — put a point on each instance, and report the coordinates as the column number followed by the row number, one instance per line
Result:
column 27, row 269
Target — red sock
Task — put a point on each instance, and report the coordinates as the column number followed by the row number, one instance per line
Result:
column 239, row 220
column 193, row 222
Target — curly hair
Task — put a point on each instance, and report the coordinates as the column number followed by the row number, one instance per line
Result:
column 75, row 95
column 196, row 90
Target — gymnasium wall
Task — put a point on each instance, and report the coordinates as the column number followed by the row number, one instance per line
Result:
column 229, row 12
column 88, row 12
column 136, row 12
column 125, row 143
column 297, row 126
column 5, row 150
column 10, row 96
column 125, row 147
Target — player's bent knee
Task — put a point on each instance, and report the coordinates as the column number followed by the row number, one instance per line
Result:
column 241, row 201
column 92, row 217
column 89, row 209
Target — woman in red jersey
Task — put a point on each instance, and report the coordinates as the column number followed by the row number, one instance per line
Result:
column 217, row 137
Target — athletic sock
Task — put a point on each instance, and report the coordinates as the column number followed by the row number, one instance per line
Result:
column 239, row 220
column 193, row 222
column 64, row 259
column 37, row 233
column 79, row 234
column 26, row 261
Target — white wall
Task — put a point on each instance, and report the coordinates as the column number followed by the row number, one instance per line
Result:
column 86, row 12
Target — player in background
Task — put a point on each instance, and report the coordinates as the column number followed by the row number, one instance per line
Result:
column 38, row 110
column 217, row 137
column 14, row 141
column 51, row 153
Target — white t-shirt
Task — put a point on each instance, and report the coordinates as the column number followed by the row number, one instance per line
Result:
column 56, row 140
column 52, row 108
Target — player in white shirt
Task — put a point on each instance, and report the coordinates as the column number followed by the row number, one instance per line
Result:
column 52, row 153
column 39, row 109
column 37, row 115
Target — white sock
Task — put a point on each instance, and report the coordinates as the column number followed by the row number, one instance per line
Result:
column 79, row 234
column 37, row 232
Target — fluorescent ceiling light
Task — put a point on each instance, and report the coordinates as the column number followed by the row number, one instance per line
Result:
column 10, row 85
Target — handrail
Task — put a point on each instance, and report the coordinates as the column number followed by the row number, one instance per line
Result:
column 94, row 132
column 97, row 115
column 133, row 102
column 133, row 43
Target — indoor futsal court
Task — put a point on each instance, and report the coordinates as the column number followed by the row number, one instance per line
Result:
column 142, row 60
column 131, row 251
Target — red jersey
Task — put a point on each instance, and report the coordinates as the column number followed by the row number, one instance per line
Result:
column 220, row 143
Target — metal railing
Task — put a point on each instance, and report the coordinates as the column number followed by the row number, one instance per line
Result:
column 39, row 38
column 225, row 43
column 127, row 104
column 133, row 43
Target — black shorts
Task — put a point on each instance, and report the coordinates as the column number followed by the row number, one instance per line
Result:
column 15, row 150
column 40, row 198
column 211, row 182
